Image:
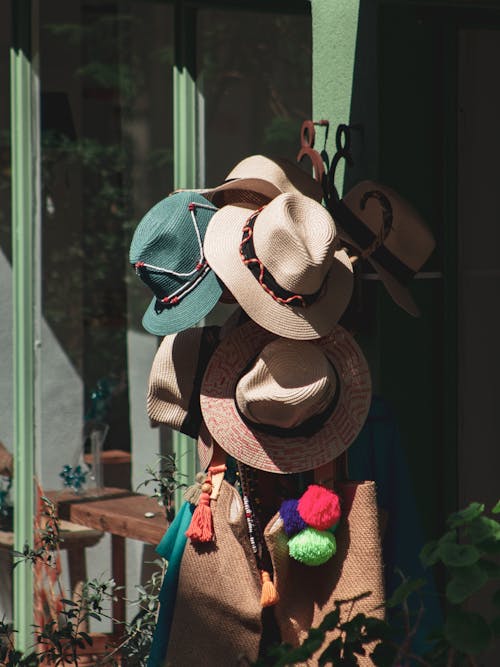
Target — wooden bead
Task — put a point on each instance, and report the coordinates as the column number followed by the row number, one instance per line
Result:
column 206, row 487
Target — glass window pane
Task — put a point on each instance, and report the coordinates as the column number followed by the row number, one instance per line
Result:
column 255, row 75
column 106, row 99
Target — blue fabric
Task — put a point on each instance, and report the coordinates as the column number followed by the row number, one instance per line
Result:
column 171, row 548
column 377, row 454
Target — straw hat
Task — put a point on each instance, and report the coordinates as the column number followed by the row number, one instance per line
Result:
column 167, row 253
column 258, row 179
column 284, row 175
column 173, row 396
column 389, row 233
column 285, row 406
column 281, row 265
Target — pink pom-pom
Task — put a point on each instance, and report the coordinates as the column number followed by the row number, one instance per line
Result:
column 319, row 507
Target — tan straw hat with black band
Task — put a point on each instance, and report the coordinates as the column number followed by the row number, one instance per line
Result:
column 285, row 406
column 389, row 233
column 174, row 382
column 281, row 264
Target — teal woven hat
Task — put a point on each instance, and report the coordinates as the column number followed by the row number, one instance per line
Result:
column 167, row 254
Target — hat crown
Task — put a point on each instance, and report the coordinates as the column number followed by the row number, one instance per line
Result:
column 283, row 174
column 408, row 238
column 294, row 238
column 166, row 237
column 289, row 382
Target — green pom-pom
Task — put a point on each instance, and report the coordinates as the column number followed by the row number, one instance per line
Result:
column 312, row 547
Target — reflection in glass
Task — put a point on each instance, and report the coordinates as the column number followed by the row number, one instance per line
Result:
column 255, row 74
column 106, row 157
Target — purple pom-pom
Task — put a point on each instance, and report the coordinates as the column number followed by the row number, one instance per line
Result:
column 293, row 522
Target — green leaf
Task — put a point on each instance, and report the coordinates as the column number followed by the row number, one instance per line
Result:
column 71, row 603
column 375, row 628
column 483, row 528
column 466, row 515
column 496, row 508
column 491, row 569
column 490, row 547
column 332, row 653
column 383, row 655
column 495, row 627
column 467, row 631
column 403, row 591
column 464, row 582
column 354, row 628
column 495, row 598
column 299, row 654
column 330, row 621
column 458, row 555
column 86, row 637
column 429, row 555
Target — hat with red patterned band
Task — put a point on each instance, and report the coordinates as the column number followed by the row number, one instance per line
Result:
column 167, row 253
column 388, row 232
column 282, row 265
column 282, row 405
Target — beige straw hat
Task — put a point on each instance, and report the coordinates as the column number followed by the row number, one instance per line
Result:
column 285, row 406
column 389, row 233
column 173, row 396
column 258, row 179
column 284, row 175
column 281, row 264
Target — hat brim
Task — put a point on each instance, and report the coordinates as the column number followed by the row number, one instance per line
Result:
column 173, row 396
column 241, row 192
column 222, row 242
column 400, row 294
column 269, row 452
column 190, row 310
column 205, row 447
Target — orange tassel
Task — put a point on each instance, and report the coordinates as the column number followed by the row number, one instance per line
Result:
column 201, row 528
column 269, row 595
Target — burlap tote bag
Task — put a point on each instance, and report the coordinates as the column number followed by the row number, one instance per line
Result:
column 217, row 616
column 308, row 593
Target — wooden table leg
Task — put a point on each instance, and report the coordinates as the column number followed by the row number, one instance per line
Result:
column 118, row 572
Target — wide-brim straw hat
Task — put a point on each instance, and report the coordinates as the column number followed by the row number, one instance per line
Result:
column 285, row 406
column 388, row 232
column 173, row 396
column 205, row 447
column 167, row 253
column 284, row 175
column 258, row 179
column 282, row 265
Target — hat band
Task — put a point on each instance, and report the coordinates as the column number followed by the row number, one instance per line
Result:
column 308, row 428
column 372, row 245
column 264, row 276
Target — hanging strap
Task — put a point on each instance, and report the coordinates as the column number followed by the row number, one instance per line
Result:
column 333, row 471
column 217, row 461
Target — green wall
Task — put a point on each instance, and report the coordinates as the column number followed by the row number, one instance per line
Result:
column 388, row 70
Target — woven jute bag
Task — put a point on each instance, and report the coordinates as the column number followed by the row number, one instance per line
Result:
column 308, row 593
column 217, row 616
